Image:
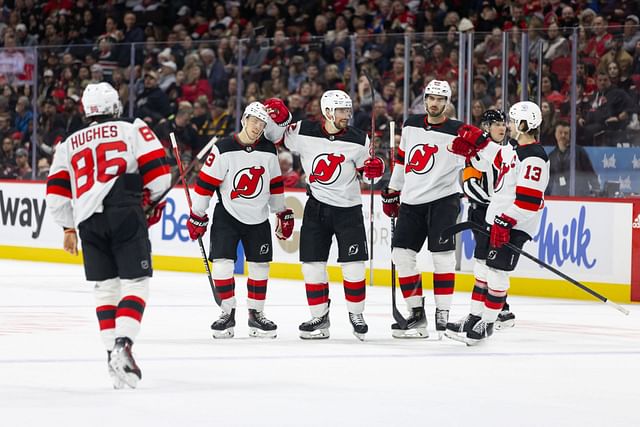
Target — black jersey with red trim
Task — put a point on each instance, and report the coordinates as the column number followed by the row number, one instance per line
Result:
column 86, row 164
column 518, row 189
column 425, row 170
column 331, row 161
column 247, row 179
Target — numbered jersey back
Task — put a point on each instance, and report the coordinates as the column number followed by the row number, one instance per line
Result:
column 92, row 158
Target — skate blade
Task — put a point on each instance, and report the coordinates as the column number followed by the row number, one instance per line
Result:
column 118, row 384
column 506, row 324
column 455, row 336
column 124, row 377
column 473, row 342
column 319, row 334
column 359, row 336
column 259, row 333
column 416, row 333
column 440, row 334
column 223, row 335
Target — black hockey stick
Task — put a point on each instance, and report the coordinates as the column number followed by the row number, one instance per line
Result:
column 203, row 252
column 397, row 316
column 199, row 157
column 371, row 154
column 457, row 228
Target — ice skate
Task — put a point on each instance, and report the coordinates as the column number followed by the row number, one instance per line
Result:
column 416, row 325
column 442, row 317
column 506, row 319
column 316, row 328
column 123, row 363
column 457, row 330
column 260, row 326
column 117, row 382
column 360, row 327
column 223, row 327
column 480, row 332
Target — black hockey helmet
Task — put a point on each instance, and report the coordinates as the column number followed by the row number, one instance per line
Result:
column 491, row 116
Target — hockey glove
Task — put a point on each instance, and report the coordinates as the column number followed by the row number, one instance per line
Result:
column 373, row 167
column 469, row 141
column 284, row 226
column 390, row 202
column 501, row 230
column 197, row 225
column 155, row 214
column 278, row 111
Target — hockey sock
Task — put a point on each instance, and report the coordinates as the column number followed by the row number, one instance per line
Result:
column 354, row 286
column 444, row 265
column 257, row 285
column 478, row 296
column 135, row 293
column 408, row 276
column 225, row 284
column 107, row 294
column 493, row 305
column 317, row 287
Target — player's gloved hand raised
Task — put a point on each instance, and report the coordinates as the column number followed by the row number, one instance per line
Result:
column 373, row 167
column 153, row 212
column 278, row 111
column 197, row 225
column 390, row 202
column 469, row 141
column 501, row 230
column 284, row 226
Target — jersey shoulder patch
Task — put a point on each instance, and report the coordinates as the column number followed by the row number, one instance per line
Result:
column 532, row 150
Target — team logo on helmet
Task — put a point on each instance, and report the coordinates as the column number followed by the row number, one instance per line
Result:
column 248, row 183
column 421, row 159
column 326, row 168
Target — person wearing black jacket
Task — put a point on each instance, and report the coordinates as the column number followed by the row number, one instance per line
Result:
column 560, row 163
column 152, row 105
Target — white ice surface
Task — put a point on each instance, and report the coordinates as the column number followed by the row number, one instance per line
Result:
column 566, row 363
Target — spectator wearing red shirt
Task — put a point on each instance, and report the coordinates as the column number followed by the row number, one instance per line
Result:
column 598, row 43
column 290, row 176
column 195, row 85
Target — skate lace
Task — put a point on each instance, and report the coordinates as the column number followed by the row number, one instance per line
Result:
column 224, row 318
column 480, row 327
column 260, row 318
column 357, row 319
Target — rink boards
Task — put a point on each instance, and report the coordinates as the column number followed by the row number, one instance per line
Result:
column 595, row 242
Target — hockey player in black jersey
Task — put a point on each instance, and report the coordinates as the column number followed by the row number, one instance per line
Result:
column 243, row 170
column 333, row 154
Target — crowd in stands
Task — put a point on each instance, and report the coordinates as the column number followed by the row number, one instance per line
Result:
column 175, row 64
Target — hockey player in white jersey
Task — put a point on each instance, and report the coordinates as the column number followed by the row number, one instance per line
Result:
column 102, row 179
column 514, row 210
column 332, row 155
column 244, row 171
column 426, row 182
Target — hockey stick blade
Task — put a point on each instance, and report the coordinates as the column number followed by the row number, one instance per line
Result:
column 477, row 227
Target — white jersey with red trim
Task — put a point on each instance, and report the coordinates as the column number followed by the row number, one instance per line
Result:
column 331, row 162
column 247, row 179
column 86, row 164
column 425, row 170
column 518, row 189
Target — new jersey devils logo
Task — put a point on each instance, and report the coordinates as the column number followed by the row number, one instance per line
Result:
column 421, row 159
column 326, row 168
column 504, row 169
column 247, row 183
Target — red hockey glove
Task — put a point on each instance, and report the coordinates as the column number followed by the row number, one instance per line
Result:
column 284, row 226
column 373, row 167
column 154, row 216
column 278, row 112
column 462, row 148
column 474, row 136
column 390, row 203
column 501, row 230
column 197, row 225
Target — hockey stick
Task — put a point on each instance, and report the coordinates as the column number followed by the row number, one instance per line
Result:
column 397, row 316
column 199, row 157
column 203, row 253
column 448, row 232
column 371, row 154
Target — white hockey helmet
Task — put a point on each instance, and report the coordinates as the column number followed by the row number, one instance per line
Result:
column 256, row 109
column 438, row 88
column 101, row 99
column 528, row 112
column 333, row 99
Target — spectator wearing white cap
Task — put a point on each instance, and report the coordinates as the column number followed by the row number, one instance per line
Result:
column 23, row 38
column 167, row 76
